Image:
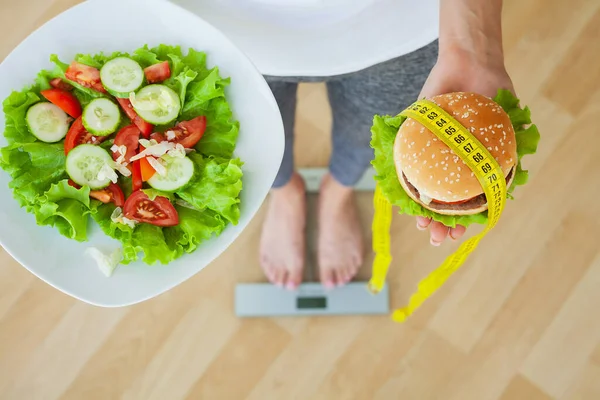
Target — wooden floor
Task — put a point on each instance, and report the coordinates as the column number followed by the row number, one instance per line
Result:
column 521, row 325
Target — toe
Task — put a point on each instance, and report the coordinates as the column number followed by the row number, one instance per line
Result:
column 339, row 277
column 294, row 279
column 327, row 278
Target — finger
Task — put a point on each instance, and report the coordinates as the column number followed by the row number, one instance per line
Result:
column 456, row 233
column 423, row 223
column 438, row 233
column 280, row 275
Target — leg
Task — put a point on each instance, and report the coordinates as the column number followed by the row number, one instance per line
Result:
column 282, row 245
column 385, row 88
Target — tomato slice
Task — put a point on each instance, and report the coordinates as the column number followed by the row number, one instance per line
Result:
column 129, row 137
column 73, row 184
column 110, row 194
column 136, row 176
column 159, row 212
column 144, row 127
column 63, row 99
column 78, row 135
column 58, row 83
column 159, row 137
column 158, row 72
column 188, row 133
column 146, row 169
column 85, row 75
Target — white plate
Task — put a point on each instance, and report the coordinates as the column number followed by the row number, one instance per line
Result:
column 126, row 25
column 321, row 37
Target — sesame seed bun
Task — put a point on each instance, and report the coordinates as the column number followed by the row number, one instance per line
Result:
column 433, row 175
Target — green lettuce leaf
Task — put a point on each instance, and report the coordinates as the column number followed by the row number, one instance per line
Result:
column 217, row 187
column 194, row 227
column 383, row 133
column 65, row 208
column 33, row 168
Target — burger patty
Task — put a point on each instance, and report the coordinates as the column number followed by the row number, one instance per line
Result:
column 475, row 202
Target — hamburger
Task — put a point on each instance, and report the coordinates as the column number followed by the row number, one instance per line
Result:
column 433, row 175
column 419, row 174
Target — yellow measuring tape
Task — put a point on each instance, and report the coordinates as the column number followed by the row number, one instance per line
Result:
column 487, row 171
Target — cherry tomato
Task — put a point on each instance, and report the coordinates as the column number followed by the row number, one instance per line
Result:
column 188, row 133
column 129, row 137
column 85, row 76
column 158, row 72
column 58, row 83
column 159, row 212
column 110, row 194
column 136, row 176
column 78, row 135
column 63, row 99
column 144, row 127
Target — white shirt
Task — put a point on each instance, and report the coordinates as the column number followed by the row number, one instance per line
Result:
column 321, row 37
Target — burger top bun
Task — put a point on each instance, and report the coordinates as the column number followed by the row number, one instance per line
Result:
column 435, row 171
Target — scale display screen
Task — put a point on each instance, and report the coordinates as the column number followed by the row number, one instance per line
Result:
column 311, row 302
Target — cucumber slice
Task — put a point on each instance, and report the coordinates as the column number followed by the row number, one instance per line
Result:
column 47, row 122
column 156, row 104
column 180, row 172
column 84, row 163
column 121, row 76
column 101, row 117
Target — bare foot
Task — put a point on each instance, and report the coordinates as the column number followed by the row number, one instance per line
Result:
column 282, row 244
column 341, row 248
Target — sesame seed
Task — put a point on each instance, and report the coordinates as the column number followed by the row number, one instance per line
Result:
column 433, row 156
column 412, row 143
column 496, row 148
column 436, row 164
column 428, row 143
column 466, row 191
column 503, row 151
column 486, row 139
column 446, row 179
column 451, row 182
column 489, row 148
column 451, row 173
column 430, row 176
column 458, row 175
column 424, row 162
column 457, row 180
column 459, row 168
column 510, row 142
column 438, row 182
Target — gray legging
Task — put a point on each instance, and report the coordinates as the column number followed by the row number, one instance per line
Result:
column 385, row 88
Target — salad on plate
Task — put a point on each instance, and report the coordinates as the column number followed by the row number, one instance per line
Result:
column 142, row 143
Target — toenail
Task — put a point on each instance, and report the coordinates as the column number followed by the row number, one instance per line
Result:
column 329, row 285
column 435, row 243
column 421, row 227
column 291, row 286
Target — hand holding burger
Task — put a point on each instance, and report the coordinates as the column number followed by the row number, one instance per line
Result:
column 470, row 60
